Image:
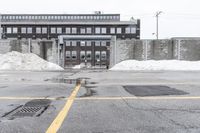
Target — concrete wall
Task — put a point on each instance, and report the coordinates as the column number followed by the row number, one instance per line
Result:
column 168, row 49
column 43, row 48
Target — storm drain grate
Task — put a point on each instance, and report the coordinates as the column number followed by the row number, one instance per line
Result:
column 30, row 109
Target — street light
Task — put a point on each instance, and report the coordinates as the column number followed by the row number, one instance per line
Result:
column 157, row 15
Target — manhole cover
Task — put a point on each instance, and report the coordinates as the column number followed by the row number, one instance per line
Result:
column 30, row 109
column 153, row 90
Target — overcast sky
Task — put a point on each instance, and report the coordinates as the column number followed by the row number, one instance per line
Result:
column 180, row 18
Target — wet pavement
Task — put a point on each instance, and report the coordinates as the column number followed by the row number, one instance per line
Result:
column 107, row 102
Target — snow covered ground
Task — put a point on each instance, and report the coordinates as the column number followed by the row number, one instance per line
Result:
column 18, row 61
column 173, row 65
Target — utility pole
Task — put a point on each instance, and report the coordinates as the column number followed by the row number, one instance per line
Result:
column 0, row 27
column 157, row 15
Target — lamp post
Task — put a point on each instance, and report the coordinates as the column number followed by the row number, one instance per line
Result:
column 157, row 16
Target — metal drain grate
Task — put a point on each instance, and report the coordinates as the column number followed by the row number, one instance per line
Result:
column 30, row 109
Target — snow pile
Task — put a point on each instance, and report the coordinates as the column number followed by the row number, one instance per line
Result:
column 82, row 65
column 174, row 65
column 18, row 61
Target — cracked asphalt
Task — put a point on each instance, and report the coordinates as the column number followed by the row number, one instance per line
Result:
column 102, row 104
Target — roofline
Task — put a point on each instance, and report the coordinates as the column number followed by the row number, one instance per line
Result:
column 71, row 23
column 62, row 14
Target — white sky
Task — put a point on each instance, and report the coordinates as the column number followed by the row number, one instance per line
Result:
column 181, row 18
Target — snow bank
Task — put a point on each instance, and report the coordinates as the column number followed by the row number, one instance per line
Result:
column 82, row 65
column 173, row 65
column 18, row 61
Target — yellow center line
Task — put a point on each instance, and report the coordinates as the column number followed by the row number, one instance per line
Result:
column 56, row 124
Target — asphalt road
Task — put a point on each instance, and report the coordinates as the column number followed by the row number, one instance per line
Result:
column 158, row 101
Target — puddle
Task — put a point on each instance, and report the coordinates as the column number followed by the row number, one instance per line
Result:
column 89, row 92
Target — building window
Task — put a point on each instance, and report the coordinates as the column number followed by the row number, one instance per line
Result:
column 68, row 55
column 53, row 30
column 38, row 30
column 112, row 30
column 89, row 30
column 97, row 30
column 97, row 55
column 74, row 55
column 44, row 30
column 59, row 30
column 103, row 43
column 74, row 30
column 67, row 43
column 128, row 30
column 97, row 43
column 82, row 55
column 103, row 30
column 82, row 30
column 103, row 55
column 74, row 43
column 67, row 30
column 15, row 30
column 29, row 30
column 82, row 43
column 9, row 30
column 119, row 30
column 23, row 30
column 89, row 43
column 133, row 30
column 88, row 55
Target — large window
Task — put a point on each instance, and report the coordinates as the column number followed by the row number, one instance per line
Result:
column 23, row 30
column 15, row 30
column 82, row 43
column 133, row 30
column 67, row 43
column 97, row 30
column 119, row 30
column 82, row 30
column 89, row 43
column 89, row 30
column 103, row 43
column 97, row 55
column 53, row 30
column 74, row 55
column 44, row 30
column 59, row 30
column 97, row 43
column 9, row 30
column 82, row 55
column 74, row 43
column 38, row 30
column 129, row 30
column 103, row 55
column 74, row 30
column 103, row 30
column 29, row 30
column 88, row 54
column 68, row 55
column 112, row 30
column 67, row 30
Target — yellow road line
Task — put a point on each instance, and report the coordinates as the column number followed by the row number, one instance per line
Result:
column 56, row 124
column 142, row 98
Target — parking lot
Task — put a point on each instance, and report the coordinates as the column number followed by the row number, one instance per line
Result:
column 99, row 101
